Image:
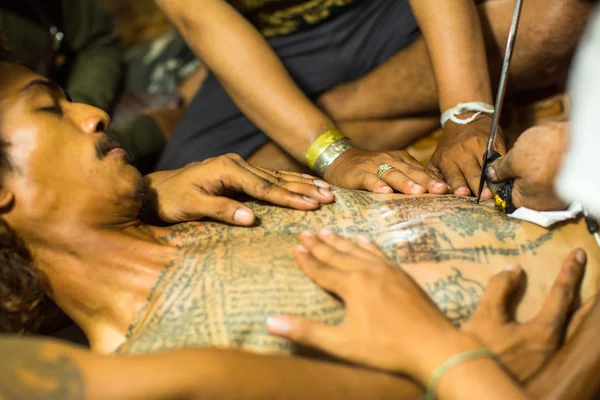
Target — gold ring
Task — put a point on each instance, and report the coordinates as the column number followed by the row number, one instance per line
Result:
column 383, row 168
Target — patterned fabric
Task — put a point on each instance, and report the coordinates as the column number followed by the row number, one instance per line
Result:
column 281, row 17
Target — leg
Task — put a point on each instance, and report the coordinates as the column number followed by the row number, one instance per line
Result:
column 405, row 84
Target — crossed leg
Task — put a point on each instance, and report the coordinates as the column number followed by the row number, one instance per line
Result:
column 397, row 102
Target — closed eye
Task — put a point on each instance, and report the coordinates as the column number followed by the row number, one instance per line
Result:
column 55, row 109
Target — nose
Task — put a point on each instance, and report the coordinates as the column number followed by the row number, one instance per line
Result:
column 91, row 119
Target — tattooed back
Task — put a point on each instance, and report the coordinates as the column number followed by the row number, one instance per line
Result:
column 227, row 280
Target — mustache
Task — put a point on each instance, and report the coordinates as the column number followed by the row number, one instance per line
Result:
column 105, row 145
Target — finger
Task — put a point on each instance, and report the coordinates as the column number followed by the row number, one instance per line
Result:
column 295, row 177
column 498, row 294
column 373, row 184
column 502, row 169
column 329, row 255
column 342, row 245
column 455, row 179
column 422, row 180
column 471, row 169
column 563, row 294
column 244, row 180
column 368, row 245
column 220, row 208
column 328, row 278
column 323, row 196
column 402, row 183
column 296, row 183
column 308, row 333
column 435, row 170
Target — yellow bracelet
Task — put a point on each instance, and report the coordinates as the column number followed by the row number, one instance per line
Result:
column 321, row 144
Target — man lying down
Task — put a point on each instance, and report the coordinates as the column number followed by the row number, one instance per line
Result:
column 135, row 288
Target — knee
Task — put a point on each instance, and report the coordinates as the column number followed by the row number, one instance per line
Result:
column 558, row 27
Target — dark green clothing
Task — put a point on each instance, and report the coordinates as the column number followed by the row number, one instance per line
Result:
column 93, row 39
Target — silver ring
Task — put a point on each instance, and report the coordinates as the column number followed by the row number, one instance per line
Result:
column 383, row 168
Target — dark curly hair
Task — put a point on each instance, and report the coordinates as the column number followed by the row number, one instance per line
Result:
column 21, row 283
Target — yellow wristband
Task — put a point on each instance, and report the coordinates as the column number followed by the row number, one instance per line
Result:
column 321, row 144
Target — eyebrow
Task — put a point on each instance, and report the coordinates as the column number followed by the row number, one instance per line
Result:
column 50, row 86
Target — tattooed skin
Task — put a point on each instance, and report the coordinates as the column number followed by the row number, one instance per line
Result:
column 226, row 281
column 28, row 372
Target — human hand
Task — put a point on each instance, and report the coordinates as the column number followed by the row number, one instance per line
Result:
column 525, row 348
column 391, row 323
column 533, row 163
column 459, row 155
column 197, row 190
column 357, row 169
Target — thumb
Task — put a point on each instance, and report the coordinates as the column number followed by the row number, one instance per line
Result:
column 498, row 293
column 220, row 208
column 307, row 333
column 502, row 169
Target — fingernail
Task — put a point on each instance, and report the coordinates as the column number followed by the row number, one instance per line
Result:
column 277, row 325
column 301, row 249
column 386, row 189
column 243, row 216
column 486, row 193
column 321, row 184
column 439, row 185
column 325, row 192
column 416, row 187
column 512, row 268
column 307, row 234
column 580, row 256
column 491, row 174
column 462, row 191
column 310, row 200
column 308, row 176
column 363, row 240
column 326, row 232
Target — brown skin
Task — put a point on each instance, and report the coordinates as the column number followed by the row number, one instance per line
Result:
column 533, row 163
column 390, row 106
column 98, row 197
column 573, row 373
column 275, row 104
column 382, row 300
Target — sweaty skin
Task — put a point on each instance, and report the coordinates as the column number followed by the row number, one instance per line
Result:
column 226, row 281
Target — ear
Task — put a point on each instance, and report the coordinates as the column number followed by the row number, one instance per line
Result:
column 6, row 199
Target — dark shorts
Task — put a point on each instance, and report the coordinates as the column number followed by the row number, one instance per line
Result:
column 339, row 50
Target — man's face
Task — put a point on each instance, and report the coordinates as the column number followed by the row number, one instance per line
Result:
column 64, row 165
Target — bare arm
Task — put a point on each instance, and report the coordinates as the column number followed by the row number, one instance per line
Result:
column 453, row 34
column 454, row 38
column 32, row 368
column 250, row 71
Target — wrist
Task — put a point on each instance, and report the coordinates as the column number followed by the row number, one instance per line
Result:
column 441, row 348
column 325, row 149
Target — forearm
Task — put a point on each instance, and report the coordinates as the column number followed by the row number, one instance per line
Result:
column 48, row 369
column 249, row 71
column 478, row 378
column 452, row 30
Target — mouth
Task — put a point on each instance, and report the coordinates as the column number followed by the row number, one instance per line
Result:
column 108, row 147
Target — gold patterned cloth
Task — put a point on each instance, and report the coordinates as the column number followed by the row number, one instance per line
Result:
column 281, row 17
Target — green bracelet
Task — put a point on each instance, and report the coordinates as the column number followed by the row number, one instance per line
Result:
column 448, row 364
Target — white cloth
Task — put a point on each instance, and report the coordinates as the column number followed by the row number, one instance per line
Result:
column 477, row 107
column 579, row 178
column 547, row 218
